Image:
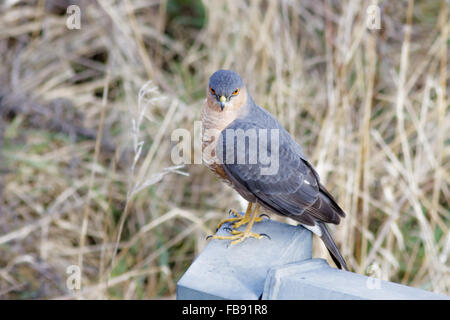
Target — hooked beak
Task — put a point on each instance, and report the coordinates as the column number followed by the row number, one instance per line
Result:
column 222, row 101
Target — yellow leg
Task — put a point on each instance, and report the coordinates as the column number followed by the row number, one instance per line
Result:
column 239, row 236
column 247, row 217
column 239, row 219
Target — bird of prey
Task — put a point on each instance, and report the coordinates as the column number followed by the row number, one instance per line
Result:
column 238, row 138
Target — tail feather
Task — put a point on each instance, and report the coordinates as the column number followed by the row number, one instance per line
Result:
column 324, row 192
column 332, row 247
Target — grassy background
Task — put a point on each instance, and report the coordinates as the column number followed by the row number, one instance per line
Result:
column 370, row 108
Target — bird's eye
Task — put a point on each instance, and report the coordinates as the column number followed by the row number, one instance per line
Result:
column 235, row 92
column 212, row 90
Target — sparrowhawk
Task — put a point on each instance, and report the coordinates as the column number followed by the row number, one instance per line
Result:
column 239, row 137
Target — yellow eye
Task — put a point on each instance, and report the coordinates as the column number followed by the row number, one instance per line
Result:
column 235, row 92
column 212, row 90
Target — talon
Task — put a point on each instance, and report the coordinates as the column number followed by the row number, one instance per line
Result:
column 238, row 236
column 265, row 235
column 208, row 237
column 264, row 215
column 244, row 220
column 238, row 219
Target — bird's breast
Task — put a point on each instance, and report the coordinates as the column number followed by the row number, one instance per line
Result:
column 213, row 123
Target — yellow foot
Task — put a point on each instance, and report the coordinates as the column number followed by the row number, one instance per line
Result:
column 239, row 219
column 239, row 236
column 244, row 220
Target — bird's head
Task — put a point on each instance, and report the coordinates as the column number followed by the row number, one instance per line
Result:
column 226, row 90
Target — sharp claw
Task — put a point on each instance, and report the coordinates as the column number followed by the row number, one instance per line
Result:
column 234, row 213
column 264, row 215
column 210, row 236
column 265, row 235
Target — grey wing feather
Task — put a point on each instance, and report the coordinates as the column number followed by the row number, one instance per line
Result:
column 294, row 190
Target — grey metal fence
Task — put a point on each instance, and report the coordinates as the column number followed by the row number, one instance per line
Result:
column 280, row 268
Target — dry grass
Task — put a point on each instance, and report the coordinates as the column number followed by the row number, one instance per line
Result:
column 85, row 158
